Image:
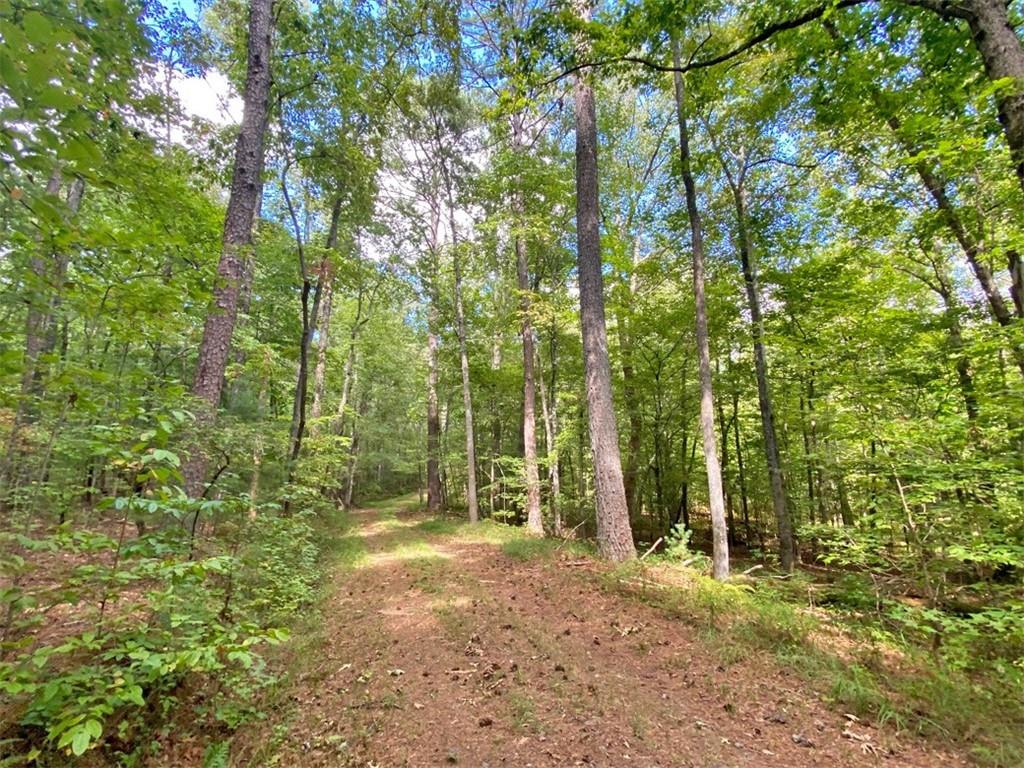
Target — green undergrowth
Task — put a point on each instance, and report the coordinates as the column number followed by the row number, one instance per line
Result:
column 529, row 548
column 164, row 623
column 861, row 669
column 344, row 551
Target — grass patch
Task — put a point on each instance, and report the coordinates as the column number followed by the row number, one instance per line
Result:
column 524, row 712
column 529, row 548
column 533, row 548
column 438, row 526
column 454, row 621
column 349, row 552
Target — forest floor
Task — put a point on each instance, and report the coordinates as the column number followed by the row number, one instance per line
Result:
column 443, row 644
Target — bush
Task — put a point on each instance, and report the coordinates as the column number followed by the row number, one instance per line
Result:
column 156, row 613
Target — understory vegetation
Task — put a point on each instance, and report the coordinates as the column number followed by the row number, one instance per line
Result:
column 727, row 294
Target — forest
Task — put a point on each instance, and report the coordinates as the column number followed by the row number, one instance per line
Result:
column 530, row 382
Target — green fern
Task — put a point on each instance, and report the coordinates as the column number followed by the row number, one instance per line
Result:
column 216, row 755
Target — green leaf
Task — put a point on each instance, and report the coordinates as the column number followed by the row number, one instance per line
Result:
column 37, row 29
column 80, row 741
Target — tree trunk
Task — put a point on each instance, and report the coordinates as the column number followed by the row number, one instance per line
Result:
column 434, row 490
column 348, row 372
column 550, row 414
column 467, row 397
column 739, row 465
column 60, row 270
column 783, row 521
column 243, row 201
column 353, row 453
column 492, row 488
column 534, row 521
column 723, row 425
column 716, row 501
column 1003, row 56
column 323, row 326
column 632, row 401
column 808, row 460
column 309, row 318
column 615, row 538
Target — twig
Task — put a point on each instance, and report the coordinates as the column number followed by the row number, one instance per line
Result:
column 652, row 548
column 565, row 538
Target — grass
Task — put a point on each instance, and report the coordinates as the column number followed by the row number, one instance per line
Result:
column 524, row 714
column 983, row 714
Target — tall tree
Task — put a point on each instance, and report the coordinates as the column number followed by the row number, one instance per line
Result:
column 243, row 203
column 614, row 534
column 716, row 500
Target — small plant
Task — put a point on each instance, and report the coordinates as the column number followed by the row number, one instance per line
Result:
column 677, row 549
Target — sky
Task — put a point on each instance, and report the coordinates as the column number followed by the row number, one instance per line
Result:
column 211, row 96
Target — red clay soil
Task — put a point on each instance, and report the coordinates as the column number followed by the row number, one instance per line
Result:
column 454, row 654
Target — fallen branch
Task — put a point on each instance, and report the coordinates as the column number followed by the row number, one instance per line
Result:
column 652, row 548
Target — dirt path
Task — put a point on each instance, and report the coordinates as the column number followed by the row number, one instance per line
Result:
column 438, row 649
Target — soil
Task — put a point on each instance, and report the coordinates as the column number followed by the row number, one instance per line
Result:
column 437, row 649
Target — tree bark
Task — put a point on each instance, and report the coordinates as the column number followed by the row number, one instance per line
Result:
column 614, row 535
column 243, row 201
column 323, row 325
column 783, row 521
column 460, row 328
column 549, row 409
column 716, row 502
column 630, row 395
column 309, row 318
column 723, row 425
column 434, row 490
column 1003, row 57
column 739, row 466
column 534, row 521
column 353, row 452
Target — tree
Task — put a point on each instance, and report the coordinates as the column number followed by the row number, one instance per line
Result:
column 707, row 399
column 614, row 535
column 243, row 202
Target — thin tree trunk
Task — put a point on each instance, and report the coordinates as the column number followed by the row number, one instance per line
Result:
column 716, row 502
column 492, row 488
column 309, row 318
column 549, row 413
column 323, row 326
column 353, row 452
column 739, row 465
column 534, row 521
column 348, row 372
column 630, row 394
column 60, row 270
column 243, row 201
column 460, row 328
column 434, row 490
column 783, row 520
column 615, row 538
column 254, row 480
column 808, row 460
column 723, row 425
